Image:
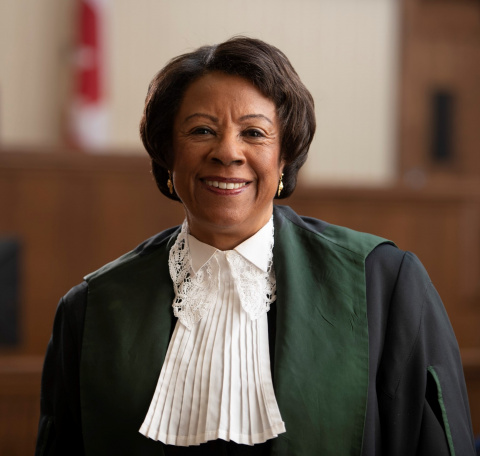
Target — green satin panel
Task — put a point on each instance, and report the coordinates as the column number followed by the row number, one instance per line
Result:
column 321, row 348
column 126, row 335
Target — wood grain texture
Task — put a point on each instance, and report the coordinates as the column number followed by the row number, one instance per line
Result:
column 74, row 213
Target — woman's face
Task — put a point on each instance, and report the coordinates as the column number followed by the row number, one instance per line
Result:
column 226, row 144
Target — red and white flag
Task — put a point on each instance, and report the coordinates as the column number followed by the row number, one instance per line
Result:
column 89, row 119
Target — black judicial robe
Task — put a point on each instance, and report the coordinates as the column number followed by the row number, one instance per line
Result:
column 364, row 359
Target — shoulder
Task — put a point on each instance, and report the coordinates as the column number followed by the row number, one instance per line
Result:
column 398, row 286
column 386, row 261
column 404, row 311
column 73, row 304
column 334, row 237
column 71, row 308
column 403, row 276
column 396, row 280
column 143, row 253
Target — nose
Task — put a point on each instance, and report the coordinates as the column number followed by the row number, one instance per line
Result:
column 228, row 151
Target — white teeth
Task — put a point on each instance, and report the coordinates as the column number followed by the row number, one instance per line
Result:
column 226, row 185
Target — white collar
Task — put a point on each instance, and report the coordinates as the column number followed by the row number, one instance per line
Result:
column 195, row 274
column 256, row 249
column 217, row 367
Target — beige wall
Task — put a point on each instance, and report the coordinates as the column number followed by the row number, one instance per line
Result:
column 33, row 57
column 344, row 50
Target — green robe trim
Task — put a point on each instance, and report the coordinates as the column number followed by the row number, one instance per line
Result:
column 321, row 347
column 446, row 424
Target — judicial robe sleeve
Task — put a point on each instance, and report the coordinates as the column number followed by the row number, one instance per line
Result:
column 418, row 402
column 60, row 428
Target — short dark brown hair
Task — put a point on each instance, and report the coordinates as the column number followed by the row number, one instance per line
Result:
column 265, row 66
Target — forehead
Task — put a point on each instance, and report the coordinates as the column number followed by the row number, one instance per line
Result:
column 219, row 92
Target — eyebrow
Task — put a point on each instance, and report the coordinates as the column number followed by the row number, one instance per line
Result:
column 201, row 114
column 256, row 116
column 215, row 119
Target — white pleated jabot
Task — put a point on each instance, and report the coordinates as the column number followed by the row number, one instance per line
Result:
column 216, row 381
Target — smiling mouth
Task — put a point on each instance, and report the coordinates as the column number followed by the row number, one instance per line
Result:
column 226, row 185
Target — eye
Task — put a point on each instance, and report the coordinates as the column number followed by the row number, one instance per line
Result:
column 201, row 131
column 254, row 133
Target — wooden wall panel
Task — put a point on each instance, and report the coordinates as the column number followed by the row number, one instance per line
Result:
column 19, row 405
column 440, row 43
column 72, row 215
column 75, row 213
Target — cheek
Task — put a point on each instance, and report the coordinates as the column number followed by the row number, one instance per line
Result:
column 271, row 170
column 274, row 167
column 182, row 149
column 179, row 157
column 185, row 160
column 270, row 178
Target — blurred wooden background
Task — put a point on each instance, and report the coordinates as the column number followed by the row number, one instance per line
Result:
column 71, row 213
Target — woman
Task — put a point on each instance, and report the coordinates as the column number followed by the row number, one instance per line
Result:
column 288, row 336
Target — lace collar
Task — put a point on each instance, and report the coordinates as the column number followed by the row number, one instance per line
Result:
column 195, row 272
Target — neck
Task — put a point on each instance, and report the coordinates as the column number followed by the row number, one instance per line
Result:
column 221, row 241
column 225, row 237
